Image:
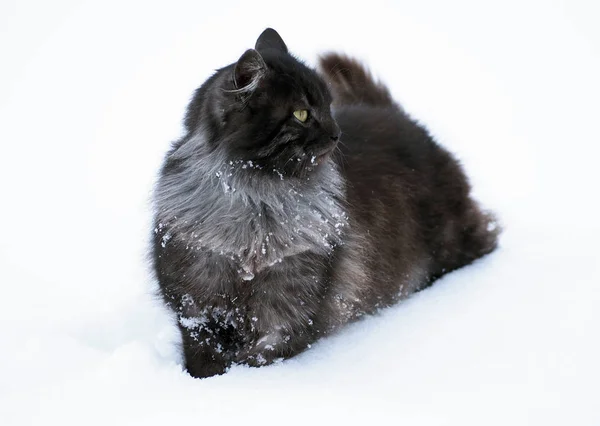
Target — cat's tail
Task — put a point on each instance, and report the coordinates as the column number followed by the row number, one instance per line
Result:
column 351, row 83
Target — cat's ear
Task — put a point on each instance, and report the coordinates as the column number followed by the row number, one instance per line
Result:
column 270, row 39
column 249, row 69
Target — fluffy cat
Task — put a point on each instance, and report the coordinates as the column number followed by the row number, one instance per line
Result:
column 273, row 227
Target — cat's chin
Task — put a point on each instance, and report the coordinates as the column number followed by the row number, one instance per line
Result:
column 321, row 158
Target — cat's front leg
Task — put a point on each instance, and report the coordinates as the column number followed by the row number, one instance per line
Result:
column 281, row 323
column 204, row 352
column 280, row 316
column 273, row 345
column 210, row 335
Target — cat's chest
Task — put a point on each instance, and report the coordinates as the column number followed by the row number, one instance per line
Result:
column 267, row 236
column 257, row 233
column 254, row 238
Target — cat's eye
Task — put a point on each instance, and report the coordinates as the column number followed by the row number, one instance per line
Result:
column 301, row 115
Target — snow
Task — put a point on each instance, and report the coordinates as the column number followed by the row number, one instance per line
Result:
column 91, row 94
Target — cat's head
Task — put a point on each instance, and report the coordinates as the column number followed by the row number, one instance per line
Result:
column 268, row 109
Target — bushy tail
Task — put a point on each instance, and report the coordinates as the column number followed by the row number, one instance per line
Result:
column 351, row 83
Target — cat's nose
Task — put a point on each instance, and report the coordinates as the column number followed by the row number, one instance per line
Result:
column 335, row 138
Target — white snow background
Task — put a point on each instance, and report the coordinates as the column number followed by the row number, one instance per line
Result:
column 91, row 95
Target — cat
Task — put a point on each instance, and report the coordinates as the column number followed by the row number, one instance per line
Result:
column 278, row 219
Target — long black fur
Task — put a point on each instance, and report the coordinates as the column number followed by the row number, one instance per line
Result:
column 269, row 233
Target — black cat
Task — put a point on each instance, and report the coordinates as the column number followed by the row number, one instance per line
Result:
column 273, row 227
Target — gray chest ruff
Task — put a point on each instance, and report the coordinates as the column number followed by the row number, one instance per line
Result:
column 255, row 240
column 256, row 220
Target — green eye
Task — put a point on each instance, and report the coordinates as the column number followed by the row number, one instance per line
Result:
column 301, row 114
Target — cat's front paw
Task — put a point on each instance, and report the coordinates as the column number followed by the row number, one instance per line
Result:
column 265, row 351
column 205, row 368
column 257, row 358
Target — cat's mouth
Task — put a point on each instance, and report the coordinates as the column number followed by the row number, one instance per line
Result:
column 319, row 158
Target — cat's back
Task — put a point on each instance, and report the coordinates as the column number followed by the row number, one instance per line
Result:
column 409, row 192
column 383, row 141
